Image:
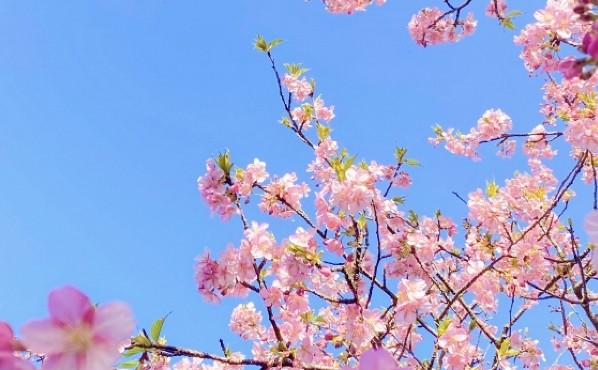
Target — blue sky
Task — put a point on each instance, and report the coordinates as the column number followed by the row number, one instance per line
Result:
column 109, row 109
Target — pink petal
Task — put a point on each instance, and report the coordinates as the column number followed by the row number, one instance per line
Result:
column 590, row 225
column 594, row 260
column 100, row 357
column 113, row 323
column 63, row 362
column 377, row 359
column 6, row 337
column 69, row 306
column 43, row 336
column 11, row 362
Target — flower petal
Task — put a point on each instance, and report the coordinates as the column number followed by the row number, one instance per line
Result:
column 63, row 362
column 113, row 323
column 68, row 305
column 377, row 359
column 11, row 362
column 43, row 337
column 100, row 357
column 590, row 225
column 6, row 337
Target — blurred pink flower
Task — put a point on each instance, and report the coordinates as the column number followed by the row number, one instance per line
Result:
column 590, row 225
column 8, row 345
column 78, row 335
column 570, row 67
column 590, row 42
column 377, row 359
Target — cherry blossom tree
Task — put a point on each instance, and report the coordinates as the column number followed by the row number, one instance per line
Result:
column 364, row 282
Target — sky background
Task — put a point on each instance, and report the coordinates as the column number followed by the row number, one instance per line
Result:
column 109, row 109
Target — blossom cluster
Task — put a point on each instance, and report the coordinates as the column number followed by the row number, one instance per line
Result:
column 493, row 125
column 319, row 284
column 349, row 6
column 431, row 26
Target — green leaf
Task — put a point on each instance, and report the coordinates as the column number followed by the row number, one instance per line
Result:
column 413, row 217
column 285, row 121
column 514, row 13
column 508, row 23
column 412, row 162
column 338, row 168
column 295, row 69
column 132, row 352
column 319, row 320
column 349, row 162
column 141, row 339
column 128, row 365
column 273, row 43
column 362, row 222
column 260, row 44
column 491, row 188
column 307, row 316
column 400, row 154
column 307, row 111
column 323, row 131
column 512, row 352
column 223, row 161
column 156, row 328
column 399, row 200
column 443, row 325
column 504, row 347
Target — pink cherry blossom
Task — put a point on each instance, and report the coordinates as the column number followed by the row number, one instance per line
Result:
column 536, row 146
column 355, row 193
column 283, row 196
column 349, row 6
column 300, row 88
column 412, row 296
column 377, row 359
column 260, row 239
column 493, row 123
column 78, row 335
column 322, row 112
column 246, row 322
column 255, row 173
column 583, row 134
column 402, row 180
column 590, row 225
column 570, row 67
column 8, row 344
column 431, row 26
column 496, row 8
column 6, row 337
column 214, row 192
column 590, row 42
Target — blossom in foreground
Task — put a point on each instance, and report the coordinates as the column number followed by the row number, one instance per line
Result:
column 590, row 225
column 78, row 335
column 7, row 347
column 377, row 359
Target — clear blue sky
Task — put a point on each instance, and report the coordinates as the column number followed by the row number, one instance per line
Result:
column 109, row 108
